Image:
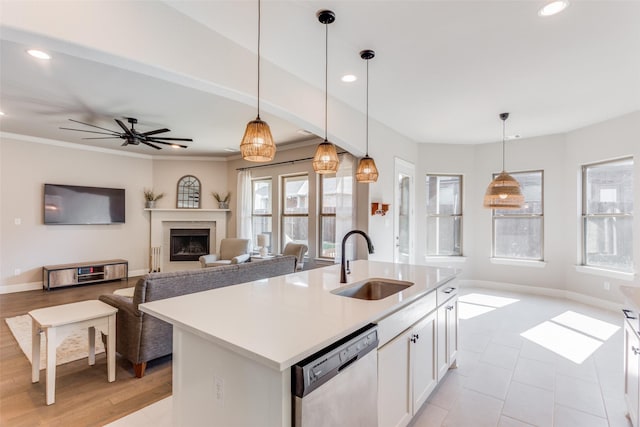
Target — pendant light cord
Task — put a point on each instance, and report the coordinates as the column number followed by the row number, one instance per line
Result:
column 367, row 128
column 503, row 150
column 259, row 19
column 326, row 77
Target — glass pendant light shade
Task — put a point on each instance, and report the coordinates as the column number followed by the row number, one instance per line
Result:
column 504, row 191
column 257, row 143
column 326, row 158
column 367, row 171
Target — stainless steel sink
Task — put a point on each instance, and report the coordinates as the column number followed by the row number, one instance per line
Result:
column 372, row 289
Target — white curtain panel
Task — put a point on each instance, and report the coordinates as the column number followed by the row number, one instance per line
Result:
column 345, row 212
column 244, row 224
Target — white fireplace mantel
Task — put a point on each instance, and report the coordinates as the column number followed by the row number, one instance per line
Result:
column 159, row 217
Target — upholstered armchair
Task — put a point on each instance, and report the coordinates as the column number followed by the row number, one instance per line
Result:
column 232, row 251
column 297, row 250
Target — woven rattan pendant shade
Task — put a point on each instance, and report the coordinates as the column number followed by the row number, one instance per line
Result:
column 504, row 191
column 367, row 171
column 257, row 143
column 326, row 158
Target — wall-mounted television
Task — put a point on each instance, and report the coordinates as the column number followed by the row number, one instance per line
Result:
column 73, row 204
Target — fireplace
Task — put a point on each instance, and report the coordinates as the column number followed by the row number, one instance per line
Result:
column 188, row 244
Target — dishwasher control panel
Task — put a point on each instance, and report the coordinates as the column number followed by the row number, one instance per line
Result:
column 319, row 368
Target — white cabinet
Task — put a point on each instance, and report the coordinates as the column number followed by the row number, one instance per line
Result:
column 631, row 367
column 447, row 335
column 423, row 360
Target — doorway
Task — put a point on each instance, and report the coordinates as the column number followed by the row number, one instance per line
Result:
column 404, row 211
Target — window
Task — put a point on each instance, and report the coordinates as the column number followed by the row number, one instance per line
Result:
column 295, row 209
column 607, row 209
column 518, row 233
column 444, row 215
column 328, row 194
column 261, row 211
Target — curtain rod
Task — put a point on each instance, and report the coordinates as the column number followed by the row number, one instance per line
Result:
column 281, row 163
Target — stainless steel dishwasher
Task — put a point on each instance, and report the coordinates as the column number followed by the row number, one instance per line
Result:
column 338, row 386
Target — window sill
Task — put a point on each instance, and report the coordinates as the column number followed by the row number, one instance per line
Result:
column 444, row 259
column 605, row 273
column 518, row 262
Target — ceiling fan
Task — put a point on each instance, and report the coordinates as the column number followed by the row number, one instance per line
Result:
column 132, row 136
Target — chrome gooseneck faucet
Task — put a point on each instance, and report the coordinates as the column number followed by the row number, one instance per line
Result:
column 343, row 273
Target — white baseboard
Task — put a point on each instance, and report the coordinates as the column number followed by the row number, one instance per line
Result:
column 32, row 286
column 536, row 290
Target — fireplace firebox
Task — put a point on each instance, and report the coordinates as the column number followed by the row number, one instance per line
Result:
column 188, row 244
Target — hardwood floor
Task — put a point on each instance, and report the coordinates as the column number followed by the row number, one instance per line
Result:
column 83, row 395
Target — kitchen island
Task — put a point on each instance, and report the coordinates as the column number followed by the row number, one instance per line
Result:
column 233, row 347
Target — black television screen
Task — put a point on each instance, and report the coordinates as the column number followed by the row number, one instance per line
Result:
column 72, row 204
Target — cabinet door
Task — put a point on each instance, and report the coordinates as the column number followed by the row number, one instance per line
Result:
column 394, row 401
column 114, row 271
column 452, row 330
column 423, row 360
column 442, row 364
column 63, row 277
column 631, row 365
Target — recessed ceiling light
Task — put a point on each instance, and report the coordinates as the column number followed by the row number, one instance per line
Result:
column 38, row 54
column 553, row 8
column 304, row 132
column 349, row 78
column 231, row 149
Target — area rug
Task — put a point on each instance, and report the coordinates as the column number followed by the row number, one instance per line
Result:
column 74, row 347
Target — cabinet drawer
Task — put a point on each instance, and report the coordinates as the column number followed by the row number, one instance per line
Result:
column 446, row 291
column 392, row 325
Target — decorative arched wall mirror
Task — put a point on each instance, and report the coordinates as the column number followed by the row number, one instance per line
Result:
column 188, row 192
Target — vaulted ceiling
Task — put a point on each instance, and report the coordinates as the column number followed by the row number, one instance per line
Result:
column 443, row 70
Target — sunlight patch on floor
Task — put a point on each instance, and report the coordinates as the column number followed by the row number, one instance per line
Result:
column 475, row 304
column 571, row 335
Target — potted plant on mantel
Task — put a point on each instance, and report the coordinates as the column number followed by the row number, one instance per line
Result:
column 150, row 198
column 223, row 202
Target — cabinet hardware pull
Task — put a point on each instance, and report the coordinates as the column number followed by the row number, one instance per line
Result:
column 635, row 350
column 449, row 290
column 413, row 340
column 627, row 314
column 450, row 307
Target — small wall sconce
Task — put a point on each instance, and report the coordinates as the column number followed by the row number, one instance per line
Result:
column 379, row 208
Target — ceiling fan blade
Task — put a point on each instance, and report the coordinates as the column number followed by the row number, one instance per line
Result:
column 115, row 134
column 171, row 139
column 88, row 124
column 104, row 137
column 124, row 127
column 173, row 144
column 151, row 145
column 154, row 132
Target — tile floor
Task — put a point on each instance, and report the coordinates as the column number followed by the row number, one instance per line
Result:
column 567, row 372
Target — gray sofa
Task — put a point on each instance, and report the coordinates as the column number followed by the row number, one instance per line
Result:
column 141, row 337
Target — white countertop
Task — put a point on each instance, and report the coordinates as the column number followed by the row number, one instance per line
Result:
column 282, row 320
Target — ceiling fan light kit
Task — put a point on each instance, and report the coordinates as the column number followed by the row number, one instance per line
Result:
column 257, row 143
column 132, row 136
column 504, row 190
column 367, row 172
column 325, row 160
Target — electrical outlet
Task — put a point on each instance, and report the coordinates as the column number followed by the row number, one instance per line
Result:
column 607, row 286
column 218, row 385
column 17, row 272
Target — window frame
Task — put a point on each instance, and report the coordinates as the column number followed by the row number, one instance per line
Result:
column 283, row 214
column 508, row 215
column 256, row 215
column 460, row 215
column 584, row 216
column 322, row 214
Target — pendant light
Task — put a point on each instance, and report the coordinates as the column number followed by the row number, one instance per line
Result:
column 257, row 143
column 367, row 171
column 325, row 159
column 504, row 191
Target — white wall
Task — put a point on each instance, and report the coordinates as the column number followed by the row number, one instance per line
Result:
column 26, row 166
